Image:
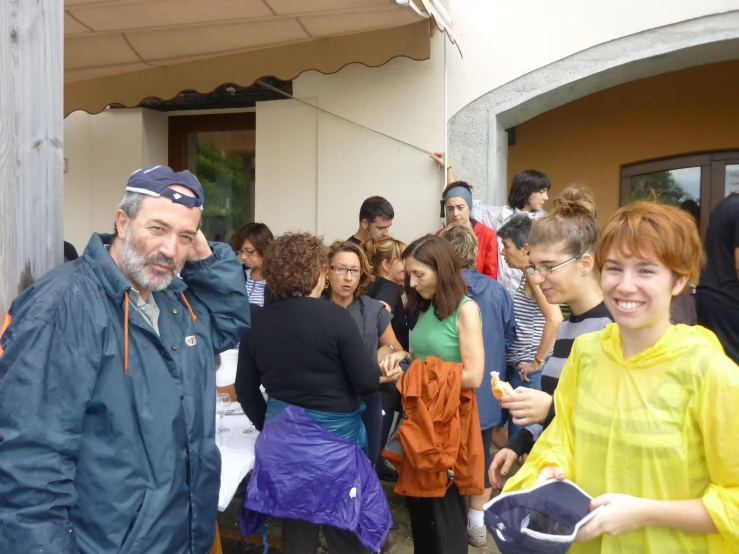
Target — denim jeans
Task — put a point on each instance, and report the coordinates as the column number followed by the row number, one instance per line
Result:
column 515, row 380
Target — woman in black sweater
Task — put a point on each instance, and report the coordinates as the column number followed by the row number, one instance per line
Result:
column 306, row 353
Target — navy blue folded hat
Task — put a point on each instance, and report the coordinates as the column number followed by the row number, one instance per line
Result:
column 540, row 520
column 154, row 181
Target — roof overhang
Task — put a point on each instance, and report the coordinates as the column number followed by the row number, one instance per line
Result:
column 123, row 51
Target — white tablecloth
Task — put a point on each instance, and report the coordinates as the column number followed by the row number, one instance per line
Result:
column 237, row 454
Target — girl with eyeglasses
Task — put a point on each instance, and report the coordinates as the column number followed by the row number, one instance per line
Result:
column 647, row 411
column 348, row 277
column 249, row 244
column 562, row 264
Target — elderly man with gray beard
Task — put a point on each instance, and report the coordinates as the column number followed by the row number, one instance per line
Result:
column 107, row 384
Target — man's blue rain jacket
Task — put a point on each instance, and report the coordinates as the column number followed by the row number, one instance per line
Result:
column 95, row 460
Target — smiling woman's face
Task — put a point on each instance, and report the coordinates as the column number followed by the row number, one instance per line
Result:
column 638, row 291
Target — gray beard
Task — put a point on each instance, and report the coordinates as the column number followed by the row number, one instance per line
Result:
column 134, row 265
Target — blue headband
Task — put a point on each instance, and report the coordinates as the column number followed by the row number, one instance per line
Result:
column 461, row 192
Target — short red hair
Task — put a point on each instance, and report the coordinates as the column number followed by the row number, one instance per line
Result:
column 651, row 229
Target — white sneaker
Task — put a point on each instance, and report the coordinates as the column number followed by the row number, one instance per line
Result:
column 477, row 536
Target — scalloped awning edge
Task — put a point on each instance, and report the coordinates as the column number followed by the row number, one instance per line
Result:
column 327, row 55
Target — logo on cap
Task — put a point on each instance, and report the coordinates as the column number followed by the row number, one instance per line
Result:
column 155, row 181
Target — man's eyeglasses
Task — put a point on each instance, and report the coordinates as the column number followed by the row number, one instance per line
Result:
column 245, row 252
column 341, row 270
column 547, row 269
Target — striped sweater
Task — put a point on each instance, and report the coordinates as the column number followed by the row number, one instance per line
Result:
column 593, row 320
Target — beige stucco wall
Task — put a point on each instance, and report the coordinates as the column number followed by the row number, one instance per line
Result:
column 502, row 41
column 314, row 170
column 286, row 162
column 101, row 151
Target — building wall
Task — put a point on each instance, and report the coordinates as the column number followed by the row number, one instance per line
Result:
column 286, row 162
column 588, row 140
column 101, row 152
column 314, row 170
column 502, row 41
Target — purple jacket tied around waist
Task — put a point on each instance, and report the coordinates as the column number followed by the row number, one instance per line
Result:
column 302, row 471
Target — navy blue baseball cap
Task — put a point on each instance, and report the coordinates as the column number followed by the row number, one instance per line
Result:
column 154, row 181
column 541, row 520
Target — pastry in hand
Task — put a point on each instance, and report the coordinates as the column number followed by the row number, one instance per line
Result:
column 500, row 388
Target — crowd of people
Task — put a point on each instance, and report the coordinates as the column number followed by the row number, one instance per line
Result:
column 369, row 359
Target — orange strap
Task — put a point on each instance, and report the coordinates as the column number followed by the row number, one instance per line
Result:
column 125, row 328
column 192, row 314
column 8, row 319
column 125, row 334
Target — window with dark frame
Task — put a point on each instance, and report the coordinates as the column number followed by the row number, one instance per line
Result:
column 220, row 150
column 695, row 182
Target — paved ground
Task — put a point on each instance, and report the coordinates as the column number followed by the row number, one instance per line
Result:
column 402, row 543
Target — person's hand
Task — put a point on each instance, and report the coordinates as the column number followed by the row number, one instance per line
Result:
column 527, row 405
column 550, row 472
column 200, row 248
column 392, row 376
column 439, row 158
column 525, row 369
column 620, row 514
column 392, row 362
column 501, row 465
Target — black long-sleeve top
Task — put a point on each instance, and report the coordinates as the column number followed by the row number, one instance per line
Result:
column 305, row 352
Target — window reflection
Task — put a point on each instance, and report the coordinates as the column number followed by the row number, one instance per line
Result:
column 677, row 187
column 224, row 163
column 732, row 179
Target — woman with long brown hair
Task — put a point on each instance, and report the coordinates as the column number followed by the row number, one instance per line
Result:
column 449, row 327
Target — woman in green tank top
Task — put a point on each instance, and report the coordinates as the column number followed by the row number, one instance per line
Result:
column 449, row 328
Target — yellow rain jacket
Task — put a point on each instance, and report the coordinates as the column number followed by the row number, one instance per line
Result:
column 662, row 425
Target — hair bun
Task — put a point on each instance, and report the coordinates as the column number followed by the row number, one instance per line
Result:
column 575, row 201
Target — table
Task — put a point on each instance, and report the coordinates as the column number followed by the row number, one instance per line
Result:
column 237, row 454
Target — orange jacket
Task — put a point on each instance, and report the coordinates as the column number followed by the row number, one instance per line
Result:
column 440, row 431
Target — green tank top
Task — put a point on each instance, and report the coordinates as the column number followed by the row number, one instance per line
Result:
column 431, row 337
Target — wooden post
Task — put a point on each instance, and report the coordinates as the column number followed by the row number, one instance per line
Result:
column 31, row 135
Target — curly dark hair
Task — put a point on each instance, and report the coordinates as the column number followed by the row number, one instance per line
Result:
column 293, row 263
column 366, row 276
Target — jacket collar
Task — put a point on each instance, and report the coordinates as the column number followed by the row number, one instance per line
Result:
column 107, row 271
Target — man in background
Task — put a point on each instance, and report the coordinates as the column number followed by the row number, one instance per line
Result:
column 375, row 218
column 717, row 296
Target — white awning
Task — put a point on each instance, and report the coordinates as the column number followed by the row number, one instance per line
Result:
column 123, row 51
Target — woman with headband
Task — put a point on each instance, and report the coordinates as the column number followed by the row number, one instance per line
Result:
column 457, row 206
